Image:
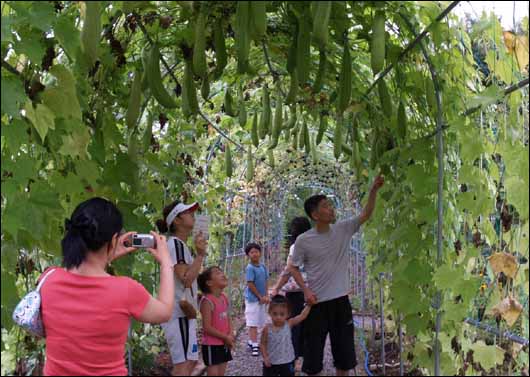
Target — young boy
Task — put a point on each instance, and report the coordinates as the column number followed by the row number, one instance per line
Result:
column 256, row 295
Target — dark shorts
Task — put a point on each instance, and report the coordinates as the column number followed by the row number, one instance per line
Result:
column 279, row 370
column 214, row 355
column 333, row 317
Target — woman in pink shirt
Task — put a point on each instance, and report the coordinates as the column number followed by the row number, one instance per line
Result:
column 86, row 311
column 217, row 337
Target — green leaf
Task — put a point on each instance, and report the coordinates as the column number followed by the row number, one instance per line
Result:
column 475, row 202
column 23, row 168
column 501, row 66
column 76, row 143
column 41, row 14
column 88, row 170
column 487, row 356
column 67, row 35
column 35, row 221
column 15, row 134
column 67, row 185
column 42, row 118
column 487, row 97
column 9, row 295
column 30, row 44
column 405, row 297
column 42, row 194
column 418, row 271
column 515, row 157
column 467, row 288
column 11, row 219
column 13, row 95
column 416, row 323
column 455, row 312
column 121, row 171
column 20, row 214
column 7, row 29
column 446, row 276
column 473, row 144
column 62, row 98
column 517, row 194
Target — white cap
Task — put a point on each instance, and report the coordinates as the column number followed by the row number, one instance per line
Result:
column 178, row 209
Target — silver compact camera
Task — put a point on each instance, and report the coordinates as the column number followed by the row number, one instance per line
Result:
column 143, row 241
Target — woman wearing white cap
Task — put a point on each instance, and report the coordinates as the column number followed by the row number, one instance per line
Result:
column 181, row 329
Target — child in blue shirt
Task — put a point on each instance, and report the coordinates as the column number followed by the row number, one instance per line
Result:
column 256, row 295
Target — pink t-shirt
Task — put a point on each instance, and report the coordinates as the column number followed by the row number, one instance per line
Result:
column 86, row 319
column 220, row 320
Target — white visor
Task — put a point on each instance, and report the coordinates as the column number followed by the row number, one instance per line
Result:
column 179, row 208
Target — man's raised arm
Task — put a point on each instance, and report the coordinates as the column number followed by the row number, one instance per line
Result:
column 369, row 207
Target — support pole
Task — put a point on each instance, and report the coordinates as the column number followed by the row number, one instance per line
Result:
column 440, row 157
column 382, row 311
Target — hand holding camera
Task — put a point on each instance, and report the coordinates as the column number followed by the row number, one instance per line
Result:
column 159, row 249
column 143, row 241
column 153, row 242
column 123, row 247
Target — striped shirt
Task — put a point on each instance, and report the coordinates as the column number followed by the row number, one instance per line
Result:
column 180, row 254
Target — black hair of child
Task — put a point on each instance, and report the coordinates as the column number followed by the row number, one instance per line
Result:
column 204, row 277
column 279, row 300
column 251, row 246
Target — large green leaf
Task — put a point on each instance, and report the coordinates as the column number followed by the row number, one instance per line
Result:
column 42, row 118
column 67, row 34
column 62, row 98
column 487, row 356
column 489, row 96
column 39, row 14
column 7, row 31
column 30, row 44
column 9, row 294
column 446, row 276
column 76, row 143
column 15, row 134
column 13, row 95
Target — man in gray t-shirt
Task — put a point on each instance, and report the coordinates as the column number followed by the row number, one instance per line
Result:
column 324, row 253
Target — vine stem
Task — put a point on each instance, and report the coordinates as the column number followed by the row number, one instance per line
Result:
column 412, row 44
column 10, row 68
column 507, row 91
column 275, row 74
column 150, row 40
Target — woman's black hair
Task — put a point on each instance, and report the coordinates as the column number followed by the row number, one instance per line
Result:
column 297, row 226
column 204, row 277
column 252, row 245
column 161, row 224
column 92, row 224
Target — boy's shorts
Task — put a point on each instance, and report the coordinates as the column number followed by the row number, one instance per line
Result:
column 255, row 314
column 181, row 337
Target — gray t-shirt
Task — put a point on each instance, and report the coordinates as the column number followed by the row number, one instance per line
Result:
column 180, row 254
column 325, row 257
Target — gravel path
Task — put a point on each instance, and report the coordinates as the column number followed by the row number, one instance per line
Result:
column 246, row 365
